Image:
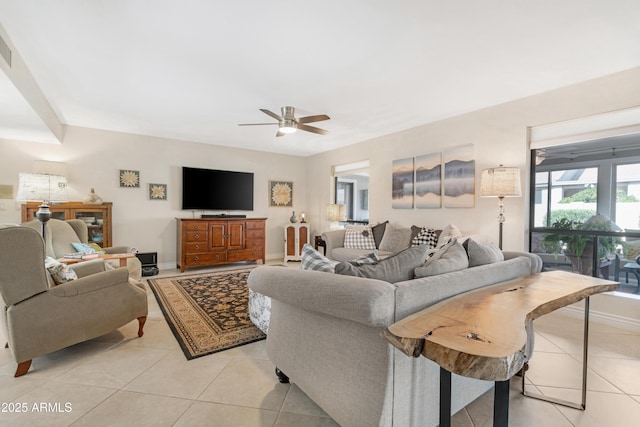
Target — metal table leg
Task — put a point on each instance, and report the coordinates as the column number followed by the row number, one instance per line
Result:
column 585, row 351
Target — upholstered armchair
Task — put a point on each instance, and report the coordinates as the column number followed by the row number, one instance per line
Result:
column 39, row 319
column 61, row 234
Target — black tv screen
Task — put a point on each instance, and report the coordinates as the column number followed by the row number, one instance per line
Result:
column 209, row 189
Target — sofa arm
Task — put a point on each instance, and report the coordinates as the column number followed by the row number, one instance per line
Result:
column 91, row 283
column 88, row 268
column 333, row 239
column 536, row 261
column 367, row 301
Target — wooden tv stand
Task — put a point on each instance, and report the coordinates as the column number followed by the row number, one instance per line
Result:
column 211, row 241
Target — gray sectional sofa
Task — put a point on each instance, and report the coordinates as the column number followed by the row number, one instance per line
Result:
column 325, row 335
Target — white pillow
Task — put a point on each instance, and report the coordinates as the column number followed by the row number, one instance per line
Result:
column 450, row 231
column 314, row 260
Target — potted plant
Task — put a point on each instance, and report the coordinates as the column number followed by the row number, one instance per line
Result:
column 579, row 248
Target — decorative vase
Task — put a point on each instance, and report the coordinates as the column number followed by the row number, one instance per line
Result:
column 93, row 198
column 293, row 218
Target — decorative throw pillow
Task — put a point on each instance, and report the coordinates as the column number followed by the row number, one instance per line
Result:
column 426, row 236
column 480, row 254
column 61, row 273
column 83, row 247
column 396, row 268
column 314, row 260
column 395, row 239
column 451, row 257
column 447, row 233
column 371, row 258
column 359, row 238
column 378, row 232
column 97, row 248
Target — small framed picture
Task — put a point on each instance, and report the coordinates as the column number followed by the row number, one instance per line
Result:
column 158, row 191
column 129, row 178
column 281, row 194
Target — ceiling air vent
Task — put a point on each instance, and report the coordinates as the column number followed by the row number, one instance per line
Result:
column 5, row 52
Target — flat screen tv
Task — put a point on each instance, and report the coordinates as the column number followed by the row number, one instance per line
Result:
column 209, row 189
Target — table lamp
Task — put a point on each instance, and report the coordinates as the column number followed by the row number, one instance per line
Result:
column 335, row 214
column 500, row 182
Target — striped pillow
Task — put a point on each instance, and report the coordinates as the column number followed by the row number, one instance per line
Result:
column 314, row 260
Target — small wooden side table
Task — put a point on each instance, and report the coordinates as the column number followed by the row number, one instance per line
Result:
column 482, row 333
column 320, row 243
column 121, row 257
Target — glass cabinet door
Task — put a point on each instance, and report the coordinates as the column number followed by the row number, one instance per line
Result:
column 95, row 223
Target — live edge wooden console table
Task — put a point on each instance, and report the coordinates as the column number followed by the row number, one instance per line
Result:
column 481, row 333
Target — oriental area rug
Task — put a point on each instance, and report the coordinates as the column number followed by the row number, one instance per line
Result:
column 207, row 312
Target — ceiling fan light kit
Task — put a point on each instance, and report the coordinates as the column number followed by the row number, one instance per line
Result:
column 287, row 122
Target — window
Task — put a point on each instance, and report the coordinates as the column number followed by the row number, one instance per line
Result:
column 565, row 193
column 627, row 200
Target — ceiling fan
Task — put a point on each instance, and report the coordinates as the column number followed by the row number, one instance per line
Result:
column 288, row 123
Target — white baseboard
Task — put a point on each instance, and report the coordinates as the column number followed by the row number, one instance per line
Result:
column 606, row 318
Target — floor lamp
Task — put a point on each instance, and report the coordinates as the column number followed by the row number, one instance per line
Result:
column 500, row 182
column 43, row 188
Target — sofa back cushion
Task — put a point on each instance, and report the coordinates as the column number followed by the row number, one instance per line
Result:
column 395, row 239
column 451, row 257
column 480, row 254
column 396, row 268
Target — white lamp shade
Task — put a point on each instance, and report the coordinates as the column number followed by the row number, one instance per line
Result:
column 336, row 213
column 500, row 182
column 40, row 187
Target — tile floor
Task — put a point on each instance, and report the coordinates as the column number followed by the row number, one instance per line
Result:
column 122, row 380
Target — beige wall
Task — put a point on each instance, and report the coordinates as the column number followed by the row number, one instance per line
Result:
column 94, row 158
column 499, row 136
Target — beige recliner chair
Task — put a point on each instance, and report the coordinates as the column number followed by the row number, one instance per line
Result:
column 39, row 319
column 61, row 234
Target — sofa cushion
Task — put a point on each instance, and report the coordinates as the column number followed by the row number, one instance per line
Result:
column 396, row 268
column 378, row 232
column 447, row 233
column 83, row 247
column 359, row 237
column 395, row 239
column 481, row 254
column 314, row 260
column 61, row 273
column 370, row 258
column 426, row 236
column 451, row 257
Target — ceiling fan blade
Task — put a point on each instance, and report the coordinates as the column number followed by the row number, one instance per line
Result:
column 271, row 113
column 311, row 119
column 256, row 124
column 280, row 134
column 312, row 129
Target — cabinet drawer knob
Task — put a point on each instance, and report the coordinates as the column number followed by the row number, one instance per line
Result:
column 217, row 257
column 197, row 246
column 196, row 258
column 197, row 227
column 197, row 236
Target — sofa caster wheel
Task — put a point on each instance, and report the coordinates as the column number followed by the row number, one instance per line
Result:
column 282, row 377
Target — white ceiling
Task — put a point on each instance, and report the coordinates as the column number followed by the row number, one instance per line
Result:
column 194, row 69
